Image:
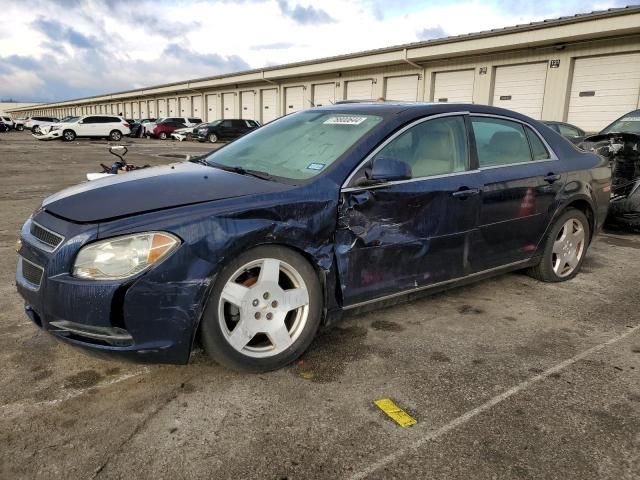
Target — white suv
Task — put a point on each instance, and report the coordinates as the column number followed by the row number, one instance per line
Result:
column 110, row 126
column 36, row 123
column 7, row 121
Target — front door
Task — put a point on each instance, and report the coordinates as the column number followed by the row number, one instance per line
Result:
column 410, row 234
column 521, row 180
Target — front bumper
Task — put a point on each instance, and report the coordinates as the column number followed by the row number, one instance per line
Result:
column 50, row 135
column 149, row 318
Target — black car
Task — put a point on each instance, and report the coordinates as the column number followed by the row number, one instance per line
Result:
column 620, row 143
column 572, row 133
column 250, row 248
column 227, row 129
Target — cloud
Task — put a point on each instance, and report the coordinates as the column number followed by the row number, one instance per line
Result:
column 56, row 31
column 305, row 15
column 432, row 33
column 161, row 26
column 218, row 62
column 274, row 46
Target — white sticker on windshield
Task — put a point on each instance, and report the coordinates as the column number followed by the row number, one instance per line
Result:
column 345, row 120
column 631, row 119
column 315, row 166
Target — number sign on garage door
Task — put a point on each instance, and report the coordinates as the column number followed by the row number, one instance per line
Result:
column 360, row 90
column 603, row 89
column 402, row 88
column 293, row 99
column 324, row 94
column 269, row 105
column 229, row 105
column 247, row 105
column 212, row 108
column 454, row 86
column 521, row 88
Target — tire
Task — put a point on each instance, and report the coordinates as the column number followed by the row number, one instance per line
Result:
column 68, row 135
column 19, row 128
column 212, row 137
column 565, row 248
column 35, row 129
column 267, row 333
column 162, row 136
column 115, row 135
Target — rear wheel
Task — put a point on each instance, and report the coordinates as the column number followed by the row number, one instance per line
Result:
column 19, row 128
column 213, row 138
column 36, row 129
column 115, row 135
column 264, row 310
column 162, row 136
column 68, row 135
column 565, row 248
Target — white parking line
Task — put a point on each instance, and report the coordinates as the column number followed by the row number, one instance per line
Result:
column 462, row 419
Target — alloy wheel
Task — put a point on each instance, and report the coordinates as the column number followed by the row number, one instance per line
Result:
column 568, row 248
column 263, row 308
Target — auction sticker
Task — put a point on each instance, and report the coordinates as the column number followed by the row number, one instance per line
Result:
column 345, row 120
column 315, row 166
column 625, row 119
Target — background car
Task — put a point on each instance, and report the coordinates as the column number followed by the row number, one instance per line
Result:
column 7, row 121
column 187, row 133
column 4, row 127
column 98, row 126
column 227, row 129
column 163, row 129
column 36, row 123
column 187, row 121
column 572, row 133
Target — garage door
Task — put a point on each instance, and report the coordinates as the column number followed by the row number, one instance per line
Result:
column 603, row 89
column 135, row 110
column 162, row 108
column 402, row 88
column 212, row 108
column 143, row 110
column 247, row 105
column 521, row 88
column 293, row 99
column 360, row 90
column 151, row 104
column 229, row 105
column 196, row 105
column 269, row 105
column 173, row 108
column 324, row 94
column 185, row 106
column 454, row 86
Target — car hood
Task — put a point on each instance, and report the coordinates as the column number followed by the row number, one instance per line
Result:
column 152, row 189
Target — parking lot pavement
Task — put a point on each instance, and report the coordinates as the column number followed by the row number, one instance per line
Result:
column 508, row 378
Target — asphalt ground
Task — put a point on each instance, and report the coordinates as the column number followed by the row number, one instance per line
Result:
column 508, row 378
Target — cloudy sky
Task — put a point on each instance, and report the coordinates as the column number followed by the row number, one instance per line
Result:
column 61, row 49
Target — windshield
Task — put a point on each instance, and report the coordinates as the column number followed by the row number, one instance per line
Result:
column 211, row 124
column 298, row 146
column 627, row 124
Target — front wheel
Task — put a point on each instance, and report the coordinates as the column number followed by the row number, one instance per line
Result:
column 213, row 138
column 564, row 249
column 115, row 135
column 264, row 310
column 162, row 136
column 68, row 135
column 19, row 128
column 36, row 129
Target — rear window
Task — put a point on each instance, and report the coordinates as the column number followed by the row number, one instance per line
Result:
column 195, row 120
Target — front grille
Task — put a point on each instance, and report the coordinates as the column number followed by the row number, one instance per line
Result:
column 46, row 236
column 31, row 272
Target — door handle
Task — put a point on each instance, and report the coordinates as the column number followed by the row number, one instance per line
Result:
column 465, row 192
column 552, row 177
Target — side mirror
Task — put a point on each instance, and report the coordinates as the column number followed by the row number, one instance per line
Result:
column 389, row 170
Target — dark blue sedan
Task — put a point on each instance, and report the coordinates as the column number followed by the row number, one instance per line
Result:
column 251, row 248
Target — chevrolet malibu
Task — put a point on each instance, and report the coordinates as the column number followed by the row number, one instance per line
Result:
column 248, row 250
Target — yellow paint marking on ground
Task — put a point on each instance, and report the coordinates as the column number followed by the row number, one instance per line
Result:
column 401, row 417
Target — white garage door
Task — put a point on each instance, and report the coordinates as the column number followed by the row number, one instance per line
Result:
column 293, row 99
column 135, row 110
column 185, row 106
column 521, row 88
column 269, row 105
column 402, row 88
column 229, row 105
column 212, row 108
column 162, row 108
column 173, row 108
column 324, row 94
column 143, row 110
column 454, row 86
column 196, row 104
column 360, row 90
column 151, row 104
column 247, row 105
column 603, row 89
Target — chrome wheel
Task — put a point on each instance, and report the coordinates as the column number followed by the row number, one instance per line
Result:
column 263, row 308
column 213, row 138
column 568, row 248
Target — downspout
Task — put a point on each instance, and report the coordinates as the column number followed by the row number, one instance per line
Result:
column 406, row 59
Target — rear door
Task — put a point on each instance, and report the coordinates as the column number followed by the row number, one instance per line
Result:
column 521, row 179
column 410, row 234
column 225, row 129
column 87, row 127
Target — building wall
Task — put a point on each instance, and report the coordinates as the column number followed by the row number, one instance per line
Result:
column 5, row 106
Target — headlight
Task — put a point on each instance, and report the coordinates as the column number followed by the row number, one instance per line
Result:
column 122, row 257
column 54, row 128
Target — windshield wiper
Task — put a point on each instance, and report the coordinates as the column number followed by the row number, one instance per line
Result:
column 243, row 171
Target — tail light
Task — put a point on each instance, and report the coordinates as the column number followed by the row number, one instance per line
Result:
column 126, row 125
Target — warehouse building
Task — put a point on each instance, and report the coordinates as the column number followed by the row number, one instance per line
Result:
column 583, row 69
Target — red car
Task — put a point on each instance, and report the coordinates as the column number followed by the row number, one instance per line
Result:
column 164, row 129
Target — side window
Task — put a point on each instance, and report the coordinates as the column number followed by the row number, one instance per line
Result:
column 90, row 120
column 194, row 120
column 500, row 142
column 538, row 150
column 226, row 124
column 567, row 131
column 433, row 147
